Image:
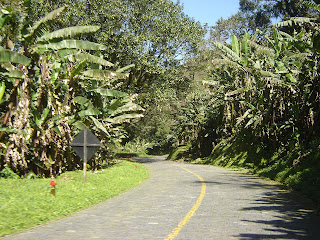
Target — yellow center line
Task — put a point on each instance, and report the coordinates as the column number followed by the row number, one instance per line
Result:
column 189, row 215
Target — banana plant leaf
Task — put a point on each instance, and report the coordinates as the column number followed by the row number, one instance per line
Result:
column 244, row 116
column 3, row 20
column 14, row 74
column 89, row 58
column 227, row 51
column 125, row 68
column 80, row 125
column 7, row 56
column 124, row 118
column 11, row 130
column 2, row 90
column 89, row 112
column 110, row 93
column 80, row 100
column 78, row 69
column 100, row 126
column 68, row 32
column 72, row 44
column 129, row 107
column 235, row 45
column 52, row 15
column 104, row 74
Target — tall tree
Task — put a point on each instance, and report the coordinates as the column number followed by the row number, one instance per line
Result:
column 153, row 35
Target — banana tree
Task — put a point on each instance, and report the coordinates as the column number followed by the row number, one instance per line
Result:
column 47, row 74
column 259, row 74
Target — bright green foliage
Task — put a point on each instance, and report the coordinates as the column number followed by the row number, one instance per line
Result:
column 153, row 35
column 31, row 204
column 264, row 108
column 60, row 88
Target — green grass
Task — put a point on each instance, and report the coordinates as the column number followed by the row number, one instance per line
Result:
column 25, row 203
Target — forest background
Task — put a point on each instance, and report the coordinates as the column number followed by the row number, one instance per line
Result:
column 143, row 76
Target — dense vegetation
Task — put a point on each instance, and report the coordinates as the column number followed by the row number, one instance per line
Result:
column 55, row 79
column 247, row 95
column 263, row 111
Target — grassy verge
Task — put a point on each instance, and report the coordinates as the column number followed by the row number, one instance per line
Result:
column 25, row 203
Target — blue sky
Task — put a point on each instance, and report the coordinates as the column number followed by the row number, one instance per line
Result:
column 209, row 11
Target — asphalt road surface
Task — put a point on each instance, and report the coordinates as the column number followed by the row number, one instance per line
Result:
column 186, row 201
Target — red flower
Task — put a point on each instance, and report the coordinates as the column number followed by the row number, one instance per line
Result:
column 52, row 182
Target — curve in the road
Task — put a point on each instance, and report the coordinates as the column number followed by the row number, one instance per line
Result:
column 189, row 215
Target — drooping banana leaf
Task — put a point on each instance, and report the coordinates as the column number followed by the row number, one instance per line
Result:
column 252, row 120
column 240, row 90
column 52, row 15
column 78, row 68
column 3, row 20
column 110, row 93
column 294, row 21
column 14, row 74
column 72, row 44
column 68, row 32
column 124, row 118
column 89, row 58
column 104, row 74
column 89, row 112
column 11, row 130
column 80, row 125
column 65, row 52
column 80, row 100
column 7, row 56
column 100, row 126
column 125, row 68
column 129, row 107
column 227, row 51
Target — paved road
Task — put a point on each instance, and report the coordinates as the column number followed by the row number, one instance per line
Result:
column 234, row 206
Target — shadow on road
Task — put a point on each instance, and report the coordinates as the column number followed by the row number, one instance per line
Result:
column 292, row 221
